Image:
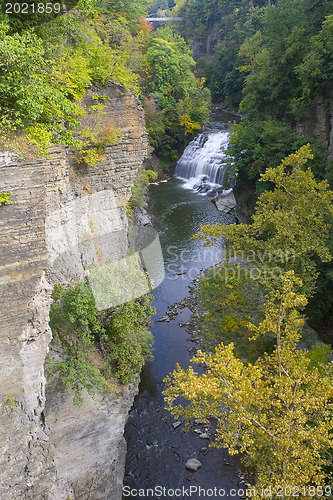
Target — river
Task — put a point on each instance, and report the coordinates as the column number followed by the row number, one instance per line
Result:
column 158, row 452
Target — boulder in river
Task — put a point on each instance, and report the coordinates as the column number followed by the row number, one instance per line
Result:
column 204, row 435
column 164, row 318
column 193, row 464
column 225, row 203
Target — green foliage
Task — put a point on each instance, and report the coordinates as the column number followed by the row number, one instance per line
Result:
column 97, row 344
column 128, row 339
column 127, row 12
column 224, row 25
column 320, row 307
column 170, row 64
column 93, row 141
column 157, row 124
column 289, row 228
column 139, row 191
column 181, row 102
column 272, row 85
column 4, row 198
column 228, row 298
column 320, row 355
column 45, row 71
column 256, row 143
column 29, row 93
column 287, row 65
column 316, row 68
column 74, row 323
column 284, row 54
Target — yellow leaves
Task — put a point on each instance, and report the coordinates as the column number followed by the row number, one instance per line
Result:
column 248, row 51
column 277, row 410
column 39, row 137
column 190, row 126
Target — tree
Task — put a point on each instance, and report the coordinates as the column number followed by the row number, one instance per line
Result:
column 286, row 64
column 256, row 143
column 97, row 345
column 181, row 102
column 289, row 227
column 170, row 62
column 30, row 97
column 317, row 65
column 277, row 412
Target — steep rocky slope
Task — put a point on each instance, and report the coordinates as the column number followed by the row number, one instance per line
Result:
column 63, row 214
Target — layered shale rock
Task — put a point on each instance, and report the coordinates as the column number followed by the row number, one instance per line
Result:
column 64, row 214
column 319, row 123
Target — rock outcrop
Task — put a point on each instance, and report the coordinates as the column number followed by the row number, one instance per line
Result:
column 319, row 123
column 64, row 216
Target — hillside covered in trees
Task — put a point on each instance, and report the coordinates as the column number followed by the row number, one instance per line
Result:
column 273, row 62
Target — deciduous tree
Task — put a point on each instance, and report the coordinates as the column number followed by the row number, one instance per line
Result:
column 277, row 412
column 289, row 227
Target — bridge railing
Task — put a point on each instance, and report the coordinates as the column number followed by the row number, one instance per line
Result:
column 156, row 19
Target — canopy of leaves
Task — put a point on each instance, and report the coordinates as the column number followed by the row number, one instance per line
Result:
column 181, row 103
column 255, row 143
column 170, row 65
column 45, row 70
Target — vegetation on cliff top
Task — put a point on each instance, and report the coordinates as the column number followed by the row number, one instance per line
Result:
column 46, row 68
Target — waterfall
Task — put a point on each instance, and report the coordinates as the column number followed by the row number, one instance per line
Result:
column 203, row 161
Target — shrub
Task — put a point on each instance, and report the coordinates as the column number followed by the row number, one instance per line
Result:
column 97, row 344
column 139, row 191
column 4, row 198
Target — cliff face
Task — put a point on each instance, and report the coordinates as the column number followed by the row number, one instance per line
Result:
column 319, row 123
column 62, row 217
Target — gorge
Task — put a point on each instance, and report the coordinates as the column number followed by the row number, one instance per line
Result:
column 229, row 109
column 43, row 431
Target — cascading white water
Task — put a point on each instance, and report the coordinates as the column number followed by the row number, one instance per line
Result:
column 203, row 161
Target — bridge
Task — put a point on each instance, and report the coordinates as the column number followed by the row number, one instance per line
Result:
column 152, row 19
column 157, row 19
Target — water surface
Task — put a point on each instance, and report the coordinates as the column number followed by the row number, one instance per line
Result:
column 157, row 452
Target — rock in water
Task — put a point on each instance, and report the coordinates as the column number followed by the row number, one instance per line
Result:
column 193, row 464
column 225, row 203
column 163, row 318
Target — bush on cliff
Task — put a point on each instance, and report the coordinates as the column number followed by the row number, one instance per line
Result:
column 97, row 345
